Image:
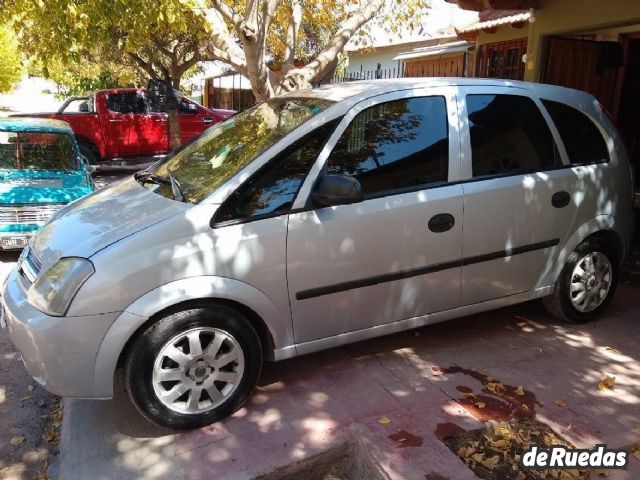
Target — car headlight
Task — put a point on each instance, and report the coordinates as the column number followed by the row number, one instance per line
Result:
column 54, row 290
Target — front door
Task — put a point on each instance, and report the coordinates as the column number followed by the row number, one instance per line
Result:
column 395, row 255
column 520, row 199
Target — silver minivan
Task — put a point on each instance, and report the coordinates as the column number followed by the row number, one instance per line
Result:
column 316, row 219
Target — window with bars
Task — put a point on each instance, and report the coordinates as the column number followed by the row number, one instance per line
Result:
column 502, row 59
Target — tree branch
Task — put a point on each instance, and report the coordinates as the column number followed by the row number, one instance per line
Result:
column 292, row 36
column 304, row 77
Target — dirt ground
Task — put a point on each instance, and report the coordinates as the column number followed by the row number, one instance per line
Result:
column 29, row 416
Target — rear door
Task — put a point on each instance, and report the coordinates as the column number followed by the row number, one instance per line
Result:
column 520, row 194
column 133, row 129
column 395, row 255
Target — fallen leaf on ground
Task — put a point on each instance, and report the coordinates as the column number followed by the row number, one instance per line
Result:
column 496, row 388
column 52, row 436
column 612, row 350
column 607, row 383
column 560, row 402
column 520, row 390
column 489, row 463
column 600, row 472
column 15, row 441
column 480, row 404
column 636, row 451
column 384, row 421
column 468, row 395
column 26, row 397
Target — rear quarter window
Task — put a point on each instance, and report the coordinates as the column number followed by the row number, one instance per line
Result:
column 581, row 137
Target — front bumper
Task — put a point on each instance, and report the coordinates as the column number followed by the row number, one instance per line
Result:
column 59, row 352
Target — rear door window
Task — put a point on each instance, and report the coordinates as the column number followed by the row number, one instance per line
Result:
column 582, row 139
column 509, row 136
column 129, row 102
column 395, row 146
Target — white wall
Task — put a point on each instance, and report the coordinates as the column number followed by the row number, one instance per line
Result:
column 369, row 61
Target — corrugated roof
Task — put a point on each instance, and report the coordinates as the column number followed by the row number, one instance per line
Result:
column 495, row 18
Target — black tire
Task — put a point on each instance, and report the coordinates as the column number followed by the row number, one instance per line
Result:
column 142, row 354
column 559, row 303
column 88, row 151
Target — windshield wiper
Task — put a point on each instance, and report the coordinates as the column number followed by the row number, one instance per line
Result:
column 176, row 188
column 144, row 176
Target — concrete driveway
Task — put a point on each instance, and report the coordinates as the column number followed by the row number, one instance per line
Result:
column 385, row 405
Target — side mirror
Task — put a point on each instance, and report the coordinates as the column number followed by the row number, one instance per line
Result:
column 91, row 169
column 337, row 190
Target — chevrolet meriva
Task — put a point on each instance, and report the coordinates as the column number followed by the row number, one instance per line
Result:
column 316, row 219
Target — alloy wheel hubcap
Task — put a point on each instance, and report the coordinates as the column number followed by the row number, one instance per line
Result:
column 590, row 282
column 197, row 370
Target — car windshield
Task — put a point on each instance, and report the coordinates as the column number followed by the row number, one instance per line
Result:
column 36, row 151
column 199, row 168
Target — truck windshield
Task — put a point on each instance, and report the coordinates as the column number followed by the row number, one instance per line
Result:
column 36, row 151
column 225, row 149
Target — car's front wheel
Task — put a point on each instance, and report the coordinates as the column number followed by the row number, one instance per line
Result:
column 586, row 284
column 193, row 367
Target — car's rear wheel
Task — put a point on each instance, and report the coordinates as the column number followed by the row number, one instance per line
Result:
column 89, row 152
column 586, row 284
column 193, row 367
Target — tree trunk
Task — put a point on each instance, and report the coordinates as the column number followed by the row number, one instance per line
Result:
column 175, row 134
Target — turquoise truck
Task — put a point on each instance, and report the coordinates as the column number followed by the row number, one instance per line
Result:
column 41, row 170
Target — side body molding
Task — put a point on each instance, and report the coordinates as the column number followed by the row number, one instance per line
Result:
column 194, row 288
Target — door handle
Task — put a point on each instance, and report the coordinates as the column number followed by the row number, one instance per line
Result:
column 115, row 120
column 560, row 199
column 441, row 222
column 207, row 120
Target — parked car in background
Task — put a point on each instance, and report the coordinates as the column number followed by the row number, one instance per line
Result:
column 320, row 218
column 120, row 123
column 41, row 170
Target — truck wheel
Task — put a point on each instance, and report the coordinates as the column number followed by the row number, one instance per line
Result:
column 193, row 367
column 586, row 284
column 88, row 151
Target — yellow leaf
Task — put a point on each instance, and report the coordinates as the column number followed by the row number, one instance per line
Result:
column 607, row 383
column 468, row 395
column 560, row 402
column 480, row 404
column 520, row 390
column 384, row 421
column 15, row 441
column 612, row 350
column 489, row 463
column 51, row 436
column 600, row 472
column 495, row 387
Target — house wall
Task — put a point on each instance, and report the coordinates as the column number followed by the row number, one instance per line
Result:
column 369, row 61
column 559, row 17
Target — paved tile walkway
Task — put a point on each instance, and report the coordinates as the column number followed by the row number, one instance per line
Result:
column 416, row 379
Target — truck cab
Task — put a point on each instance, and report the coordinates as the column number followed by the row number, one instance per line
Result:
column 122, row 123
column 41, row 170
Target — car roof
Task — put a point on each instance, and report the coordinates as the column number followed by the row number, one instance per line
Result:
column 28, row 124
column 369, row 88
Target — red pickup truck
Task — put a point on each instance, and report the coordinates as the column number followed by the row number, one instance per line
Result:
column 120, row 123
